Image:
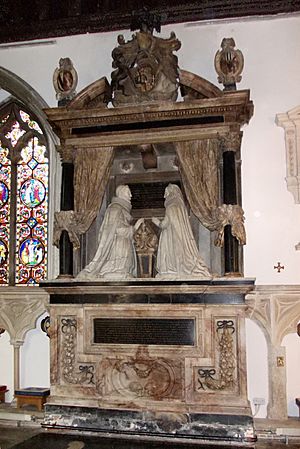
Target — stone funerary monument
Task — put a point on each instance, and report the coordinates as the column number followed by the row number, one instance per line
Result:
column 148, row 312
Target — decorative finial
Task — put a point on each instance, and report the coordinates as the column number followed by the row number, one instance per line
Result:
column 145, row 21
column 229, row 64
column 65, row 81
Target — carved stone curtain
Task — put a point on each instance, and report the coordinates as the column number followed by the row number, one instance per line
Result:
column 199, row 168
column 91, row 174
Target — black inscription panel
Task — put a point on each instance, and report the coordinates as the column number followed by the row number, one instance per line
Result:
column 149, row 195
column 144, row 331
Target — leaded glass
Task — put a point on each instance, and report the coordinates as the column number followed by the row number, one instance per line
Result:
column 31, row 123
column 15, row 133
column 5, row 173
column 24, row 213
column 32, row 209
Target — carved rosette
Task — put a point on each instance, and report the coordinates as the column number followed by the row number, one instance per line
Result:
column 145, row 69
column 224, row 375
column 71, row 371
column 140, row 376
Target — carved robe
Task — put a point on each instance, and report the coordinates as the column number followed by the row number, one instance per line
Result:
column 115, row 256
column 178, row 254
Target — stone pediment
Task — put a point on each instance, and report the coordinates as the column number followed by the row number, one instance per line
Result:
column 194, row 87
column 95, row 95
column 98, row 93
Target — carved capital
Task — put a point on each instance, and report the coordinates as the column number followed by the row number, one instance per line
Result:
column 231, row 141
column 67, row 153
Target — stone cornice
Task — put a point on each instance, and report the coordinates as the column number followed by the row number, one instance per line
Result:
column 152, row 122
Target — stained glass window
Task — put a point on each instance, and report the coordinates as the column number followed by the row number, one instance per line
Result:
column 23, row 198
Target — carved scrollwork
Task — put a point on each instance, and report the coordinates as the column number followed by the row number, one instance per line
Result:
column 66, row 220
column 84, row 374
column 140, row 376
column 227, row 361
column 230, row 214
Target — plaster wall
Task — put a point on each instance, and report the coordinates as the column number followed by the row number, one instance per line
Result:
column 272, row 73
column 6, row 365
column 257, row 367
column 35, row 358
column 291, row 342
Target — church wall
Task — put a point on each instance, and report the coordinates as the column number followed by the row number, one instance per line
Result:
column 35, row 358
column 272, row 73
column 6, row 364
column 257, row 367
column 291, row 342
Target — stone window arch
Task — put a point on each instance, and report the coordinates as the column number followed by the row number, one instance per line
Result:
column 24, row 179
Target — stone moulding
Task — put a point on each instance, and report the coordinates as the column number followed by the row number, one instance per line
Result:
column 168, row 121
column 290, row 122
column 20, row 309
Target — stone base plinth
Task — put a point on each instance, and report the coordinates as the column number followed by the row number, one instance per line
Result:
column 203, row 426
column 153, row 358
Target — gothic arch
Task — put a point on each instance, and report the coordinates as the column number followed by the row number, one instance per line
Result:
column 21, row 90
column 276, row 310
column 26, row 94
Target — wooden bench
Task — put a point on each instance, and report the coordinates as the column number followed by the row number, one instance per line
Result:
column 297, row 400
column 3, row 390
column 32, row 396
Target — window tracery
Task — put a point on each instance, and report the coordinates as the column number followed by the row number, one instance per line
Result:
column 24, row 169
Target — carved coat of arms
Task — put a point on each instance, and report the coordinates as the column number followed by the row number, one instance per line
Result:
column 145, row 69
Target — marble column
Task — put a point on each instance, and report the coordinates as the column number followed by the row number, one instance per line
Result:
column 16, row 345
column 231, row 246
column 66, row 203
